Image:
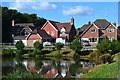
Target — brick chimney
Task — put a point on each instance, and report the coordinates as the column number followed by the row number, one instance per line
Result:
column 13, row 23
column 72, row 21
column 114, row 23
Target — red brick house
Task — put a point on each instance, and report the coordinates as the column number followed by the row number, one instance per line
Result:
column 52, row 30
column 98, row 30
column 60, row 30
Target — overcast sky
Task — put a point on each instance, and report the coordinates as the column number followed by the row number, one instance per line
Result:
column 64, row 11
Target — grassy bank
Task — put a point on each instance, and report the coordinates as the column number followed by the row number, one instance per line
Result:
column 104, row 70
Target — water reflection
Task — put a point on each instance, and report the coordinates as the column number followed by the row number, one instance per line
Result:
column 47, row 68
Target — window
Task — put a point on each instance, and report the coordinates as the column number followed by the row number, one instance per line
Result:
column 93, row 39
column 110, row 30
column 53, row 70
column 47, row 32
column 53, row 33
column 93, row 31
column 110, row 38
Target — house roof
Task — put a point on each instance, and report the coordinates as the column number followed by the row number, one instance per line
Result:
column 101, row 23
column 24, row 24
column 85, row 26
column 59, row 25
column 42, row 33
column 19, row 37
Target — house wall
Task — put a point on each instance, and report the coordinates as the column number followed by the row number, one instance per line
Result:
column 24, row 41
column 48, row 27
column 110, row 34
column 89, row 34
column 32, row 39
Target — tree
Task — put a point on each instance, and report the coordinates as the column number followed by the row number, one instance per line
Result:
column 119, row 27
column 104, row 46
column 19, row 45
column 38, row 47
column 115, row 46
column 77, row 37
column 59, row 46
column 76, row 45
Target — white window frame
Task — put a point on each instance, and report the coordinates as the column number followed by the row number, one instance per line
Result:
column 93, row 32
column 111, row 29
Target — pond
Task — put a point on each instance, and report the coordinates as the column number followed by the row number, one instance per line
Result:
column 44, row 68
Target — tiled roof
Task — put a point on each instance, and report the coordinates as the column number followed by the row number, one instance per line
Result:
column 59, row 25
column 85, row 26
column 101, row 23
column 19, row 37
column 67, row 26
column 42, row 33
column 24, row 24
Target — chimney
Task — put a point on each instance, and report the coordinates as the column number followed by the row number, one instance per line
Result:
column 72, row 21
column 89, row 22
column 13, row 23
column 114, row 23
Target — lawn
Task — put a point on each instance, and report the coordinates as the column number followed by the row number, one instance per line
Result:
column 105, row 70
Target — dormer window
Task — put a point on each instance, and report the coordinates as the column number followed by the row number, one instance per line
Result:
column 93, row 31
column 110, row 30
column 63, row 30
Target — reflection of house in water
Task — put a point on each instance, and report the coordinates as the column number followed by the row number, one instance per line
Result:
column 54, row 69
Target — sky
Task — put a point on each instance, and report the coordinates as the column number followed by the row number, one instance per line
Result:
column 82, row 12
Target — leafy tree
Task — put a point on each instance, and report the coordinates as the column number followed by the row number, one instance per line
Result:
column 19, row 45
column 59, row 46
column 77, row 37
column 115, row 46
column 38, row 47
column 76, row 45
column 119, row 27
column 104, row 46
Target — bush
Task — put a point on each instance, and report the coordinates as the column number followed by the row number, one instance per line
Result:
column 19, row 45
column 94, row 54
column 7, row 52
column 38, row 45
column 115, row 47
column 106, row 58
column 76, row 57
column 59, row 46
column 104, row 46
column 76, row 45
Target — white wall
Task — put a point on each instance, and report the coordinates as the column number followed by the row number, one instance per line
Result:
column 24, row 41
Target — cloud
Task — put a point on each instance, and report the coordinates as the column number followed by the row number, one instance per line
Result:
column 31, row 4
column 78, row 11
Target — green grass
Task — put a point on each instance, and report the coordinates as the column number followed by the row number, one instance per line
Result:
column 105, row 71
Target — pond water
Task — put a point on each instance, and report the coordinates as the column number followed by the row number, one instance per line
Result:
column 45, row 67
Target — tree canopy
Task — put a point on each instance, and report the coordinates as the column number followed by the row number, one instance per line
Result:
column 9, row 14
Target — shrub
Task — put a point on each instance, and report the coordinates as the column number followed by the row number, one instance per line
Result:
column 115, row 47
column 7, row 52
column 104, row 46
column 105, row 58
column 38, row 45
column 19, row 45
column 93, row 54
column 76, row 57
column 76, row 45
column 59, row 46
